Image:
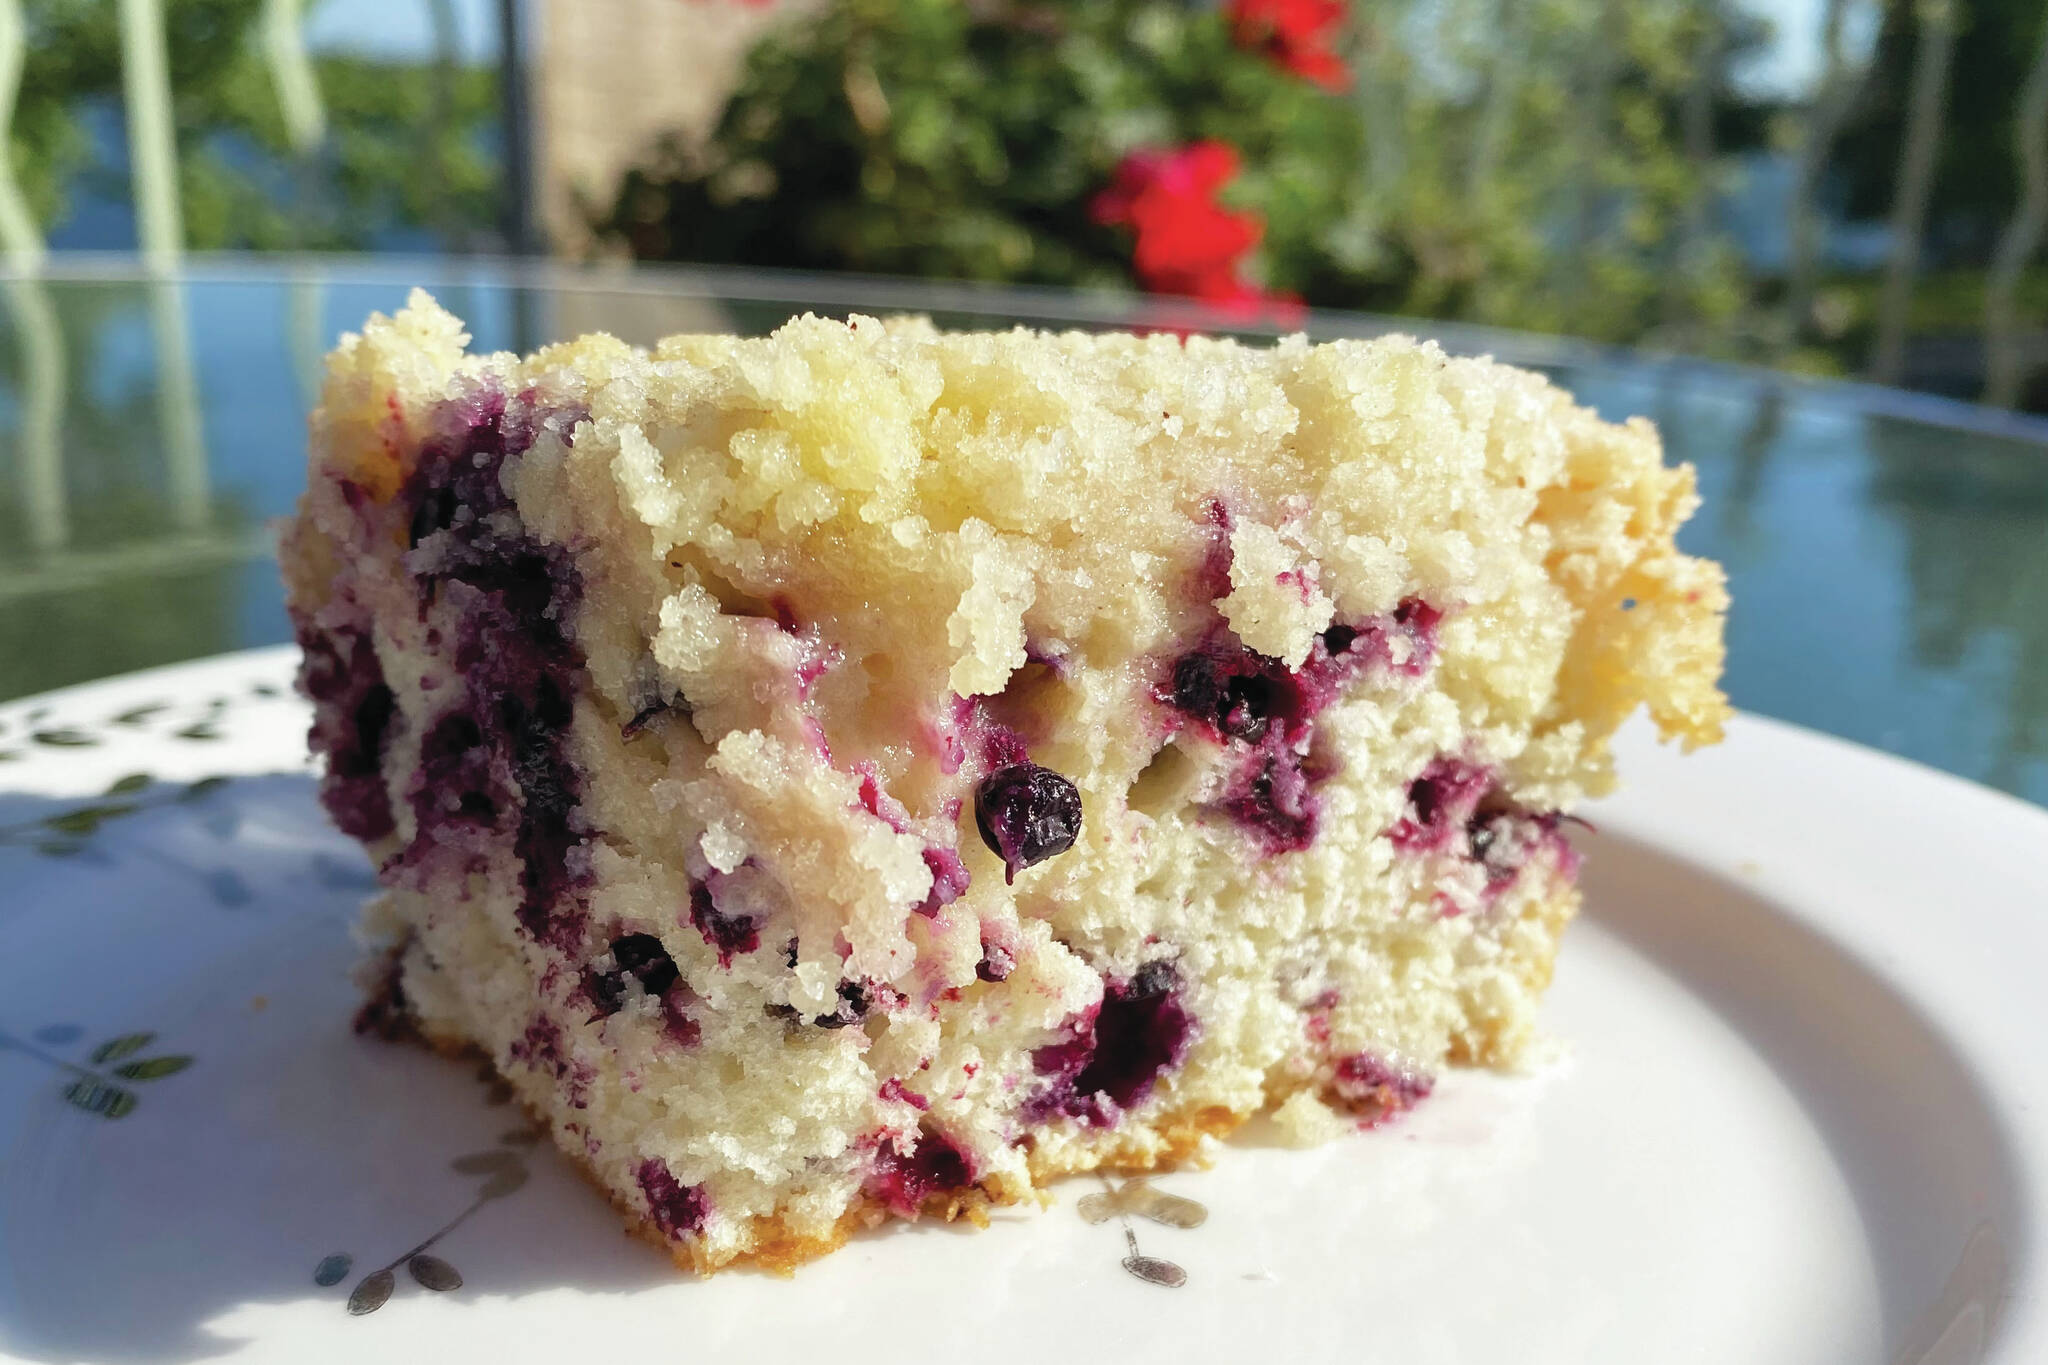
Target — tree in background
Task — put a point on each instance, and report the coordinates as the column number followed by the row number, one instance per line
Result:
column 1973, row 179
column 1993, row 42
column 1926, row 107
column 1835, row 96
column 2021, row 238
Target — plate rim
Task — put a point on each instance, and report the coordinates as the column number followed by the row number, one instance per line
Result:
column 1687, row 814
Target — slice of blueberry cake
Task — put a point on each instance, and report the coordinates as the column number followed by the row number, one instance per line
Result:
column 867, row 771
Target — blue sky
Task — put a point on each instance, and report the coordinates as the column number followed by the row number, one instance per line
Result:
column 400, row 28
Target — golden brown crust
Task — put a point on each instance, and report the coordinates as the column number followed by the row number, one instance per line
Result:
column 1168, row 1141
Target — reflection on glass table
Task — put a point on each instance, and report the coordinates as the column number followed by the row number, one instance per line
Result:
column 1888, row 552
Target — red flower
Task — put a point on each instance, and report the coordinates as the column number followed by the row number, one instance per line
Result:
column 1294, row 33
column 1187, row 243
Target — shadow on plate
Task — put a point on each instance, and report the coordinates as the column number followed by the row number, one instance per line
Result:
column 1931, row 1171
column 265, row 1142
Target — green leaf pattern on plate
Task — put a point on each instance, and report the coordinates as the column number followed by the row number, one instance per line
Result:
column 127, row 1045
column 95, row 1096
column 65, row 833
column 431, row 1272
column 371, row 1292
column 505, row 1164
column 90, row 1090
column 152, row 1068
column 108, row 1095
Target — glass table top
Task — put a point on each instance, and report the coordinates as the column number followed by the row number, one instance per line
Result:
column 1887, row 552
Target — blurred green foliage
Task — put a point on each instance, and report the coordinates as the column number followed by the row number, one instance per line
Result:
column 1528, row 171
column 929, row 137
column 408, row 146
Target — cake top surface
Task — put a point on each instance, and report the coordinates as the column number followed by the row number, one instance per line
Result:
column 1073, row 493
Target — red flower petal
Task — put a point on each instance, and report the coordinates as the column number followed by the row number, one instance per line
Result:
column 1294, row 33
column 1186, row 243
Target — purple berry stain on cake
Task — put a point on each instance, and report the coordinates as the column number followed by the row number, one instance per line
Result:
column 894, row 1091
column 643, row 958
column 455, row 783
column 968, row 737
column 876, row 801
column 542, row 1048
column 1440, row 803
column 678, row 1210
column 997, row 962
column 1264, row 713
column 1272, row 799
column 1376, row 1090
column 1139, row 1032
column 935, row 1166
column 950, row 878
column 850, row 1009
column 499, row 756
column 1456, row 808
column 1212, row 578
column 353, row 709
column 1027, row 814
column 1504, row 841
column 731, row 935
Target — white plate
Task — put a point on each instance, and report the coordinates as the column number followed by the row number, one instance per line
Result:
column 1796, row 1115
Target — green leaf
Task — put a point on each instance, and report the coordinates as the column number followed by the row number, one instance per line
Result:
column 332, row 1270
column 127, row 1045
column 137, row 715
column 201, row 729
column 132, row 783
column 96, row 1097
column 153, row 1068
column 203, row 787
column 64, row 739
column 9, row 755
column 59, row 848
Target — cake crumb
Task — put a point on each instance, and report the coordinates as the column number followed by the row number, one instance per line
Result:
column 1305, row 1121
